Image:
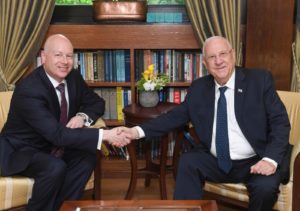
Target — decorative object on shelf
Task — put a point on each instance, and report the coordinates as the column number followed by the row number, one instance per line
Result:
column 120, row 10
column 149, row 85
column 148, row 98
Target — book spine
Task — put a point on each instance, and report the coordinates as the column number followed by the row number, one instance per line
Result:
column 95, row 66
column 119, row 103
column 127, row 65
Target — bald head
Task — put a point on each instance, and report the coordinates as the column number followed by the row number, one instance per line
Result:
column 55, row 40
column 57, row 56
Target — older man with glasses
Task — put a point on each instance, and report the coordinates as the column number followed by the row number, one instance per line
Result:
column 242, row 125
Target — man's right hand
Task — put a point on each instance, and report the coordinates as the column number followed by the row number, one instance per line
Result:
column 130, row 133
column 116, row 137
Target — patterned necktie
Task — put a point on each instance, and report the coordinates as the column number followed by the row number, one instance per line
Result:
column 59, row 151
column 63, row 104
column 222, row 142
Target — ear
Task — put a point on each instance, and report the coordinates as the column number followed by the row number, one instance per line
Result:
column 204, row 61
column 233, row 55
column 43, row 57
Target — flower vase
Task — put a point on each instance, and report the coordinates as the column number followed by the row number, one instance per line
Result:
column 148, row 98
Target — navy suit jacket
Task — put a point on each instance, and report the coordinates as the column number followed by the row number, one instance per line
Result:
column 259, row 111
column 33, row 120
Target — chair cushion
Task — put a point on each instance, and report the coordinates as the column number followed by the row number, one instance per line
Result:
column 239, row 192
column 16, row 191
column 5, row 98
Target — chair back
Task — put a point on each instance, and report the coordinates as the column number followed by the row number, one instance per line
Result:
column 291, row 100
column 5, row 98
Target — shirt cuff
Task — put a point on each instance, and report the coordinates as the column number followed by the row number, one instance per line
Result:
column 271, row 161
column 100, row 138
column 140, row 131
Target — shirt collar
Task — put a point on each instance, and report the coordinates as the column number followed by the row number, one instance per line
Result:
column 230, row 83
column 54, row 82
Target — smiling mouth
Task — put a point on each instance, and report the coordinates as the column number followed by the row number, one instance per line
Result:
column 221, row 68
column 63, row 68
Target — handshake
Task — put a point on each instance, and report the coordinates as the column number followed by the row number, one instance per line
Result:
column 120, row 136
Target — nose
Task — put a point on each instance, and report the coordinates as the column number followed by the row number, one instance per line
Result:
column 64, row 59
column 218, row 60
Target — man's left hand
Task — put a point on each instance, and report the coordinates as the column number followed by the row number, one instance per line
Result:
column 263, row 167
column 76, row 122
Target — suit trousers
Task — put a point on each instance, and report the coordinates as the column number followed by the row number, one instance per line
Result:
column 197, row 166
column 58, row 179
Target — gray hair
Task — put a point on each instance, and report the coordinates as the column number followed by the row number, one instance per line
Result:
column 213, row 38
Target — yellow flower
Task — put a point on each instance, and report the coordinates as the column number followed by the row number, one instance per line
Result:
column 151, row 81
column 151, row 67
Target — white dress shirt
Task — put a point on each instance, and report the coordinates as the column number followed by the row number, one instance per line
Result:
column 239, row 147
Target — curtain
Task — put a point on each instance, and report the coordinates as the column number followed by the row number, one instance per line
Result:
column 217, row 17
column 23, row 25
column 295, row 85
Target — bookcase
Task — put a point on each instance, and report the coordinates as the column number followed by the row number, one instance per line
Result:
column 130, row 37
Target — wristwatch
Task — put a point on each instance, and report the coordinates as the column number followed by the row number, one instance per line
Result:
column 87, row 120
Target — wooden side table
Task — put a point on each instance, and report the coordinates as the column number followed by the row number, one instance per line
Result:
column 136, row 115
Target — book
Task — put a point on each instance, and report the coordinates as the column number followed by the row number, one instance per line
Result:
column 176, row 96
column 113, row 103
column 139, row 63
column 100, row 65
column 105, row 94
column 95, row 66
column 104, row 150
column 172, row 13
column 119, row 101
column 127, row 65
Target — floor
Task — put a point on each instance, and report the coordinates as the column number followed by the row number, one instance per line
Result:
column 116, row 188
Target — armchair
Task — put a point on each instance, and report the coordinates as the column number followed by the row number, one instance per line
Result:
column 15, row 191
column 289, row 196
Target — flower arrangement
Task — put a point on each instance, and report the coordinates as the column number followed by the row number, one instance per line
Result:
column 151, row 81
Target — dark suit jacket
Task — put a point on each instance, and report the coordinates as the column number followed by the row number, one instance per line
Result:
column 33, row 120
column 260, row 113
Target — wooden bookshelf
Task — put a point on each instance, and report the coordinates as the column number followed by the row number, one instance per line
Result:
column 131, row 37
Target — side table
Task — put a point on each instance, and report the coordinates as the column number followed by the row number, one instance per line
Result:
column 135, row 115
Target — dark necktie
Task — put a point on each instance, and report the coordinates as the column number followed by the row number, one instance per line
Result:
column 222, row 142
column 58, row 151
column 63, row 104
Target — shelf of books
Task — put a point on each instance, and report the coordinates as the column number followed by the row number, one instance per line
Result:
column 111, row 58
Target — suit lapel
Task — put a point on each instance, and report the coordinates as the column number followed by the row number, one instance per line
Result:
column 51, row 91
column 239, row 94
column 72, row 93
column 210, row 99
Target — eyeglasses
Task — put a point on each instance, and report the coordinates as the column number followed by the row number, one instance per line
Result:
column 221, row 55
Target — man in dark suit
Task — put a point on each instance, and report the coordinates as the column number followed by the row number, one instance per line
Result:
column 44, row 137
column 254, row 136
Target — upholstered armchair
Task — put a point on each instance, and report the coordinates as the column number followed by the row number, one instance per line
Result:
column 289, row 197
column 15, row 191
